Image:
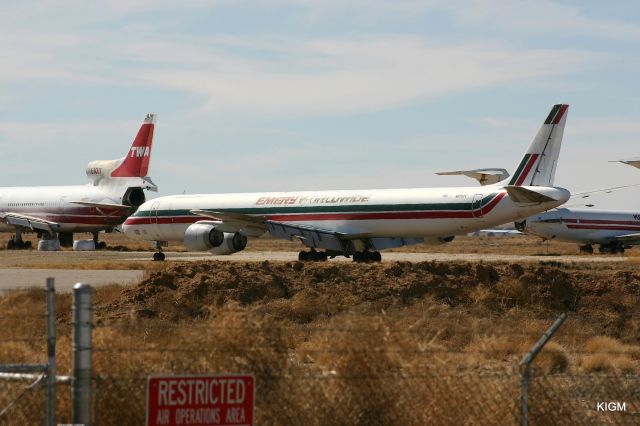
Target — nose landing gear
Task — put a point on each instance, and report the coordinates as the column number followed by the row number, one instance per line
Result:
column 159, row 255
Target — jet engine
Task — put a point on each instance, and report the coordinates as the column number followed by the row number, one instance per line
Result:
column 204, row 236
column 434, row 241
column 520, row 226
column 134, row 197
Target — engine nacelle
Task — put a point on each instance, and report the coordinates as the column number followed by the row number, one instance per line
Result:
column 134, row 197
column 520, row 226
column 232, row 243
column 204, row 236
column 435, row 241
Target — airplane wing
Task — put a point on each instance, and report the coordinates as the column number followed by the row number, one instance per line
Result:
column 635, row 162
column 309, row 235
column 101, row 205
column 30, row 222
column 628, row 238
column 587, row 194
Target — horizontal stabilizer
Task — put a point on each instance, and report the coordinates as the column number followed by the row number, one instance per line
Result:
column 484, row 176
column 635, row 162
column 520, row 194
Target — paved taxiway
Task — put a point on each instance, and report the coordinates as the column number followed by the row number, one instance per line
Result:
column 65, row 279
column 31, row 268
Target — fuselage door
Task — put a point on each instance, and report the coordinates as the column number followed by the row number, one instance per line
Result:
column 154, row 212
column 476, row 206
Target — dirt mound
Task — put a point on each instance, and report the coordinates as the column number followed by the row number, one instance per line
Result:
column 301, row 292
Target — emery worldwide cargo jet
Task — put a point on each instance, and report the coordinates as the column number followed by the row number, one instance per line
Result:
column 357, row 223
column 115, row 190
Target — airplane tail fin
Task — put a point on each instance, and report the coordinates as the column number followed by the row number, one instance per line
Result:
column 136, row 162
column 133, row 168
column 538, row 166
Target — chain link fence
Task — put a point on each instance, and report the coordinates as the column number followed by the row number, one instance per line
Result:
column 363, row 370
column 23, row 332
column 351, row 369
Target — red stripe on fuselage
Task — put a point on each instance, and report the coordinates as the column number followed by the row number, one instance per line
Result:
column 527, row 169
column 333, row 216
column 603, row 221
column 605, row 227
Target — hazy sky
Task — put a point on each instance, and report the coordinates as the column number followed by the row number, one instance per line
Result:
column 300, row 94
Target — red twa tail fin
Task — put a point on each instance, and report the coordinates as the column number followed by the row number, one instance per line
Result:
column 136, row 162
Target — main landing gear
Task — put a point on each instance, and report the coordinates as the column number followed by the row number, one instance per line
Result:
column 313, row 256
column 99, row 244
column 613, row 248
column 18, row 244
column 367, row 256
column 586, row 249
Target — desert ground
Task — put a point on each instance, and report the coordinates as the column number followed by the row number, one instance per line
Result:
column 344, row 343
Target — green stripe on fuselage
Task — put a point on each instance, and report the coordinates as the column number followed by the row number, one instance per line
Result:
column 351, row 208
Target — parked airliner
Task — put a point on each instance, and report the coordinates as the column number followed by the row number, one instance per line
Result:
column 612, row 230
column 357, row 223
column 115, row 190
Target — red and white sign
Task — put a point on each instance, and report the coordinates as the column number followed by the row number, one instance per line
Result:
column 200, row 400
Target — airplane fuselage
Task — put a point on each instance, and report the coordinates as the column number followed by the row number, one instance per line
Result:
column 53, row 203
column 584, row 226
column 419, row 212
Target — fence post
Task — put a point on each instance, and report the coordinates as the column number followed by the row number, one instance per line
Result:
column 525, row 366
column 51, row 352
column 82, row 328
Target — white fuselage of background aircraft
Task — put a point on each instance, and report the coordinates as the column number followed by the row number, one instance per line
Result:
column 584, row 226
column 53, row 204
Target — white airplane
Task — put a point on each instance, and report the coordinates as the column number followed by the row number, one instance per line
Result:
column 56, row 212
column 356, row 223
column 612, row 230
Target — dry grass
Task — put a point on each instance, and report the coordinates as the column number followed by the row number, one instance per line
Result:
column 350, row 344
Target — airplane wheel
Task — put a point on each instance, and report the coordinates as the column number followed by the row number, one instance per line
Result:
column 102, row 245
column 158, row 257
column 323, row 256
column 27, row 245
column 303, row 256
column 587, row 249
column 11, row 245
column 359, row 257
column 376, row 256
